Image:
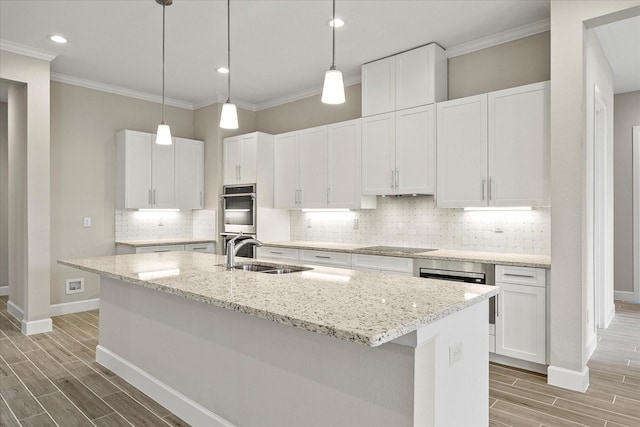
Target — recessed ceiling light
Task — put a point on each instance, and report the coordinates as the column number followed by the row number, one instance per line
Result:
column 222, row 70
column 338, row 22
column 57, row 38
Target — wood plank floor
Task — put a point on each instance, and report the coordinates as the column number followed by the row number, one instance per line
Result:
column 52, row 379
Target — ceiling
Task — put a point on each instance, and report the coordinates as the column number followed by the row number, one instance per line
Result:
column 278, row 48
column 620, row 41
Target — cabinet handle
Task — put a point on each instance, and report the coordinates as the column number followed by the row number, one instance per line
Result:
column 393, row 179
column 240, row 172
column 498, row 305
column 484, row 183
column 528, row 276
column 201, row 201
column 397, row 178
column 490, row 185
column 198, row 249
column 328, row 195
column 300, row 196
column 154, row 196
column 275, row 253
column 322, row 257
column 150, row 196
column 296, row 197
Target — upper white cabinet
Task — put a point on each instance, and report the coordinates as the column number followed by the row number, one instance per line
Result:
column 145, row 172
column 319, row 168
column 493, row 149
column 152, row 176
column 409, row 79
column 240, row 159
column 398, row 152
column 189, row 174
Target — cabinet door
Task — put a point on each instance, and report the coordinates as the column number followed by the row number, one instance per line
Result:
column 416, row 150
column 414, row 78
column 163, row 175
column 313, row 167
column 462, row 152
column 521, row 322
column 247, row 169
column 189, row 163
column 137, row 170
column 286, row 171
column 232, row 160
column 519, row 146
column 378, row 154
column 344, row 164
column 379, row 87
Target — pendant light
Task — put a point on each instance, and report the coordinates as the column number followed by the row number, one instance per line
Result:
column 163, row 136
column 229, row 113
column 333, row 89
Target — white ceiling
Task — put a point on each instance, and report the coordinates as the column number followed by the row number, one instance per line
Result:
column 278, row 47
column 621, row 44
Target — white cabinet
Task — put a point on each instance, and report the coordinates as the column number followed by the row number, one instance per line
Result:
column 398, row 152
column 200, row 247
column 145, row 172
column 268, row 252
column 319, row 168
column 123, row 249
column 189, row 174
column 385, row 264
column 521, row 313
column 493, row 149
column 409, row 79
column 240, row 159
column 328, row 258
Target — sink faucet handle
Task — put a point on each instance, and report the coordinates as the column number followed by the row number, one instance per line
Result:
column 236, row 237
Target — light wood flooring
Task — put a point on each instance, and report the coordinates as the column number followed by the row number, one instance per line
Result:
column 52, row 379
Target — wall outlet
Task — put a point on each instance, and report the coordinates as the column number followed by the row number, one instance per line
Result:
column 74, row 286
column 455, row 353
column 86, row 221
column 308, row 222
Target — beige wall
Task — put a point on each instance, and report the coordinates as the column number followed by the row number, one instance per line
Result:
column 627, row 115
column 309, row 112
column 511, row 64
column 567, row 310
column 83, row 127
column 4, row 197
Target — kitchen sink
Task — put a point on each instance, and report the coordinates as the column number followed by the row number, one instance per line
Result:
column 269, row 269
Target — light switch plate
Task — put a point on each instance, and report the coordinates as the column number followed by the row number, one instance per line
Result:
column 87, row 221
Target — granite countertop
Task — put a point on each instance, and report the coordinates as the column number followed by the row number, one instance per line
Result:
column 363, row 307
column 162, row 242
column 522, row 260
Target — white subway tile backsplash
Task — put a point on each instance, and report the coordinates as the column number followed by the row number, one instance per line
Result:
column 131, row 225
column 416, row 221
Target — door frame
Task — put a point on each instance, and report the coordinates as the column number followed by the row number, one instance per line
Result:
column 636, row 213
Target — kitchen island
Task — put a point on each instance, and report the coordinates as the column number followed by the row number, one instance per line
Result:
column 318, row 347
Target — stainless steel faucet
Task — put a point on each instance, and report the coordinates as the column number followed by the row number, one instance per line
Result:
column 232, row 249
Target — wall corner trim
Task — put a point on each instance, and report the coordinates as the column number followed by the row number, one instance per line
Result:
column 74, row 307
column 37, row 326
column 569, row 379
column 176, row 402
column 4, row 290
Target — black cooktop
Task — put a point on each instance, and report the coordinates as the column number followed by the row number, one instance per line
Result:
column 399, row 249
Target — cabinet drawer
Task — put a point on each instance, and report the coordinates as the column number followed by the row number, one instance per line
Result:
column 200, row 247
column 165, row 248
column 520, row 275
column 334, row 259
column 383, row 263
column 278, row 253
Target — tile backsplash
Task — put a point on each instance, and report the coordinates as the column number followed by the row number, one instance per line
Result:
column 416, row 221
column 131, row 224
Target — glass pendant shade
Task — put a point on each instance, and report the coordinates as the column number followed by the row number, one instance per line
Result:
column 333, row 89
column 163, row 137
column 229, row 116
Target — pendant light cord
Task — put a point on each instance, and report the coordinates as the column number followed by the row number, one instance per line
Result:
column 333, row 31
column 229, row 50
column 164, row 4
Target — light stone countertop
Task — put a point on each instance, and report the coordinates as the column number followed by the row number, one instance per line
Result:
column 162, row 242
column 363, row 307
column 522, row 260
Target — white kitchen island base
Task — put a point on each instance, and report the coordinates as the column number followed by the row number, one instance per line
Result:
column 214, row 366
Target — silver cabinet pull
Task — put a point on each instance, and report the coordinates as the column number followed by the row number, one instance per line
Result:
column 301, row 195
column 498, row 305
column 275, row 253
column 490, row 185
column 328, row 195
column 201, row 201
column 240, row 172
column 322, row 257
column 393, row 179
column 237, row 172
column 528, row 276
column 154, row 196
column 397, row 178
column 484, row 183
column 150, row 201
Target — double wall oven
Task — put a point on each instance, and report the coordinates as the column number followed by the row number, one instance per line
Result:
column 239, row 215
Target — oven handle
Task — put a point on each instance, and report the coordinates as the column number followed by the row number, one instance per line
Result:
column 253, row 195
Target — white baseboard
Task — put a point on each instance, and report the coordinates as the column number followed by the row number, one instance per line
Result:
column 626, row 296
column 37, row 326
column 74, row 307
column 517, row 363
column 569, row 379
column 4, row 290
column 611, row 313
column 185, row 408
column 14, row 310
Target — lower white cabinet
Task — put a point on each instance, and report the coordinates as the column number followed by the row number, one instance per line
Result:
column 384, row 264
column 521, row 313
column 200, row 247
column 331, row 259
column 277, row 253
column 164, row 248
column 122, row 249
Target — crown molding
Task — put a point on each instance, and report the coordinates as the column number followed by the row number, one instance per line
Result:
column 499, row 38
column 296, row 96
column 103, row 87
column 32, row 52
column 220, row 99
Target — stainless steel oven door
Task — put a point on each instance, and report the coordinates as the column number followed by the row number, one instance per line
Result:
column 239, row 209
column 247, row 251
